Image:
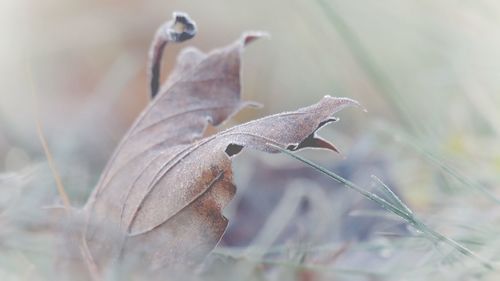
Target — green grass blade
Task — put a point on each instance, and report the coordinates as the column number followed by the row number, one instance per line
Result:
column 408, row 217
column 391, row 196
column 380, row 80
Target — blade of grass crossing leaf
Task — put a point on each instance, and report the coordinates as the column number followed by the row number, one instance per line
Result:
column 409, row 217
column 374, row 197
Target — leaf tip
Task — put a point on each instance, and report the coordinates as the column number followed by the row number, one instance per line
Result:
column 342, row 102
column 250, row 36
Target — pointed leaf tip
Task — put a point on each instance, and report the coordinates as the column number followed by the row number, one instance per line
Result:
column 250, row 36
column 343, row 102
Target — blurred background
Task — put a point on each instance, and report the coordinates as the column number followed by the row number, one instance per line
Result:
column 428, row 73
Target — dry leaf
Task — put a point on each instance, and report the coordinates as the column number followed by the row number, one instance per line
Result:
column 161, row 196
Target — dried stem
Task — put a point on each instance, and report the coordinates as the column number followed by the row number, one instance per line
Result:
column 179, row 29
column 87, row 257
column 46, row 150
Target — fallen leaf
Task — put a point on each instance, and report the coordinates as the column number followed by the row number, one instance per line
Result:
column 161, row 196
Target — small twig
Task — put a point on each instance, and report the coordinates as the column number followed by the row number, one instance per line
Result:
column 43, row 142
column 89, row 260
column 84, row 250
column 179, row 29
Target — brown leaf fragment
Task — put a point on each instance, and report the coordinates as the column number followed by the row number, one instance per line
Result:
column 161, row 196
column 186, row 169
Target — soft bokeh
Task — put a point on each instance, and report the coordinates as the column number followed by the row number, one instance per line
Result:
column 428, row 73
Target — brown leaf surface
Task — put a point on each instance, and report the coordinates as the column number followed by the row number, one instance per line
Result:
column 161, row 196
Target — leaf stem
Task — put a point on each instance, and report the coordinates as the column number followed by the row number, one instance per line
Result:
column 179, row 29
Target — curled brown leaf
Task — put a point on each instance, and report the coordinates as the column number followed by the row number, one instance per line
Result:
column 162, row 194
